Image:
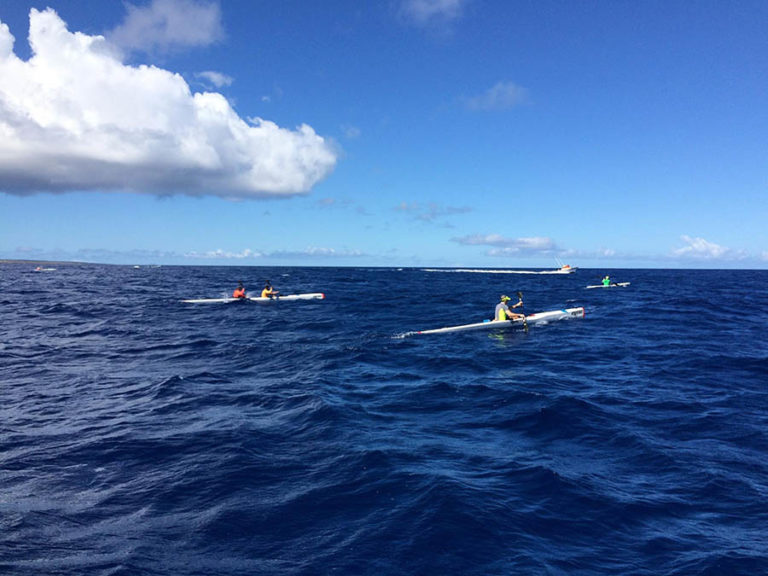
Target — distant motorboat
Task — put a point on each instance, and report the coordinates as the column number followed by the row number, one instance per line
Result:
column 564, row 269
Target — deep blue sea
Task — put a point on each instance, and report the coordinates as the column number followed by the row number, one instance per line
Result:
column 143, row 436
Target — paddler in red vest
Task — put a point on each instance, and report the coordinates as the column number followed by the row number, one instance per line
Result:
column 239, row 291
column 268, row 291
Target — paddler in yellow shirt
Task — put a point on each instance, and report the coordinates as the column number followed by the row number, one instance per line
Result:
column 268, row 291
column 504, row 312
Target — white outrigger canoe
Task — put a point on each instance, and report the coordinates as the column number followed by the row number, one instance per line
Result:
column 278, row 298
column 611, row 285
column 537, row 318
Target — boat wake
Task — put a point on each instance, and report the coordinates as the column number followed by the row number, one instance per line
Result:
column 490, row 271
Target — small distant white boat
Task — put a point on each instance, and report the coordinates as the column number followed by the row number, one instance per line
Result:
column 41, row 269
column 611, row 285
column 565, row 269
column 286, row 298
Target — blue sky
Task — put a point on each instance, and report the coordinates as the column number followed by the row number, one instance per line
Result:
column 395, row 133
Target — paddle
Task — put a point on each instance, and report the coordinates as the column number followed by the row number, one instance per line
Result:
column 520, row 300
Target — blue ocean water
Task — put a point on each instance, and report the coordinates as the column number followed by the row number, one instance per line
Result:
column 140, row 435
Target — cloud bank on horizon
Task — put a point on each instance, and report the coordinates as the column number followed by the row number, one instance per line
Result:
column 76, row 117
column 695, row 249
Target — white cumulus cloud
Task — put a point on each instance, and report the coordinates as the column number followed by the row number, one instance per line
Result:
column 431, row 211
column 501, row 96
column 248, row 254
column 220, row 254
column 533, row 243
column 216, row 78
column 701, row 248
column 76, row 117
column 503, row 246
column 429, row 11
column 166, row 25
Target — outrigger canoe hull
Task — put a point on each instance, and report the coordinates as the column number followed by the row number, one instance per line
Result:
column 286, row 298
column 614, row 285
column 537, row 318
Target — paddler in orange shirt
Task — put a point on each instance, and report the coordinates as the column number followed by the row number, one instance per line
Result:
column 239, row 291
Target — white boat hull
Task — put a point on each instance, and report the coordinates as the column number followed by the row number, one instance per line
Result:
column 286, row 298
column 537, row 318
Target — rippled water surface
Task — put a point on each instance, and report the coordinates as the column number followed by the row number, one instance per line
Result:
column 141, row 435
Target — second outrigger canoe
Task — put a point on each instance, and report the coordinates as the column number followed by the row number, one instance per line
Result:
column 286, row 298
column 536, row 318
